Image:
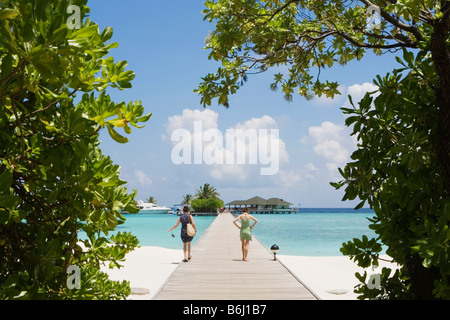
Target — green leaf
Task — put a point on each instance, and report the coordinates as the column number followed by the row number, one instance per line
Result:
column 107, row 34
column 9, row 202
column 360, row 205
column 7, row 65
column 144, row 118
column 7, row 13
column 4, row 218
column 60, row 34
column 117, row 137
column 111, row 220
column 6, row 180
column 132, row 209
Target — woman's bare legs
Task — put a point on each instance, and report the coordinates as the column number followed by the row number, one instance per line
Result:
column 245, row 246
column 189, row 250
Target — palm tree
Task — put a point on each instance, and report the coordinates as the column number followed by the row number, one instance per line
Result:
column 152, row 199
column 206, row 191
column 187, row 198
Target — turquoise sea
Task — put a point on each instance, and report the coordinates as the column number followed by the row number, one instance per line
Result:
column 313, row 232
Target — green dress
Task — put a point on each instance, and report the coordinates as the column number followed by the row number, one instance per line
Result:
column 246, row 232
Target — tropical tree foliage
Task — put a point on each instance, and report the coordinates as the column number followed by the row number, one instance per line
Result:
column 187, row 199
column 54, row 180
column 207, row 205
column 152, row 199
column 402, row 165
column 206, row 191
column 396, row 170
column 308, row 36
column 206, row 199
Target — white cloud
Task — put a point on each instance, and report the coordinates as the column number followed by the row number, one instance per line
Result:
column 324, row 101
column 326, row 131
column 266, row 128
column 265, row 122
column 256, row 144
column 358, row 91
column 142, row 178
column 332, row 150
column 188, row 117
column 332, row 142
column 310, row 167
column 332, row 167
column 310, row 170
column 227, row 171
column 287, row 178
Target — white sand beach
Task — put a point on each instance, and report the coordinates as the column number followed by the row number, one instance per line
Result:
column 331, row 278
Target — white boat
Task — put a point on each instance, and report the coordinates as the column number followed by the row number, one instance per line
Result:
column 177, row 209
column 146, row 207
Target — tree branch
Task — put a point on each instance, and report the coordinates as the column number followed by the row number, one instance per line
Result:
column 394, row 21
column 19, row 124
column 376, row 46
column 19, row 65
column 287, row 4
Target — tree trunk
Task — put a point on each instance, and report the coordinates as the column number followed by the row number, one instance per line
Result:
column 441, row 58
column 421, row 279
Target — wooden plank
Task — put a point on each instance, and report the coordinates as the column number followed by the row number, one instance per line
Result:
column 217, row 272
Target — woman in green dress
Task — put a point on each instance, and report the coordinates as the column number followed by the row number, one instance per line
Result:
column 246, row 231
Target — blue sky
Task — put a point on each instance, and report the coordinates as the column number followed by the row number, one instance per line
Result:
column 163, row 43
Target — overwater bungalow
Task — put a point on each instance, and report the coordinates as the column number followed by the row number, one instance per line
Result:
column 258, row 205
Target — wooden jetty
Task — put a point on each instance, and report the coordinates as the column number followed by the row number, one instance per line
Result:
column 217, row 271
